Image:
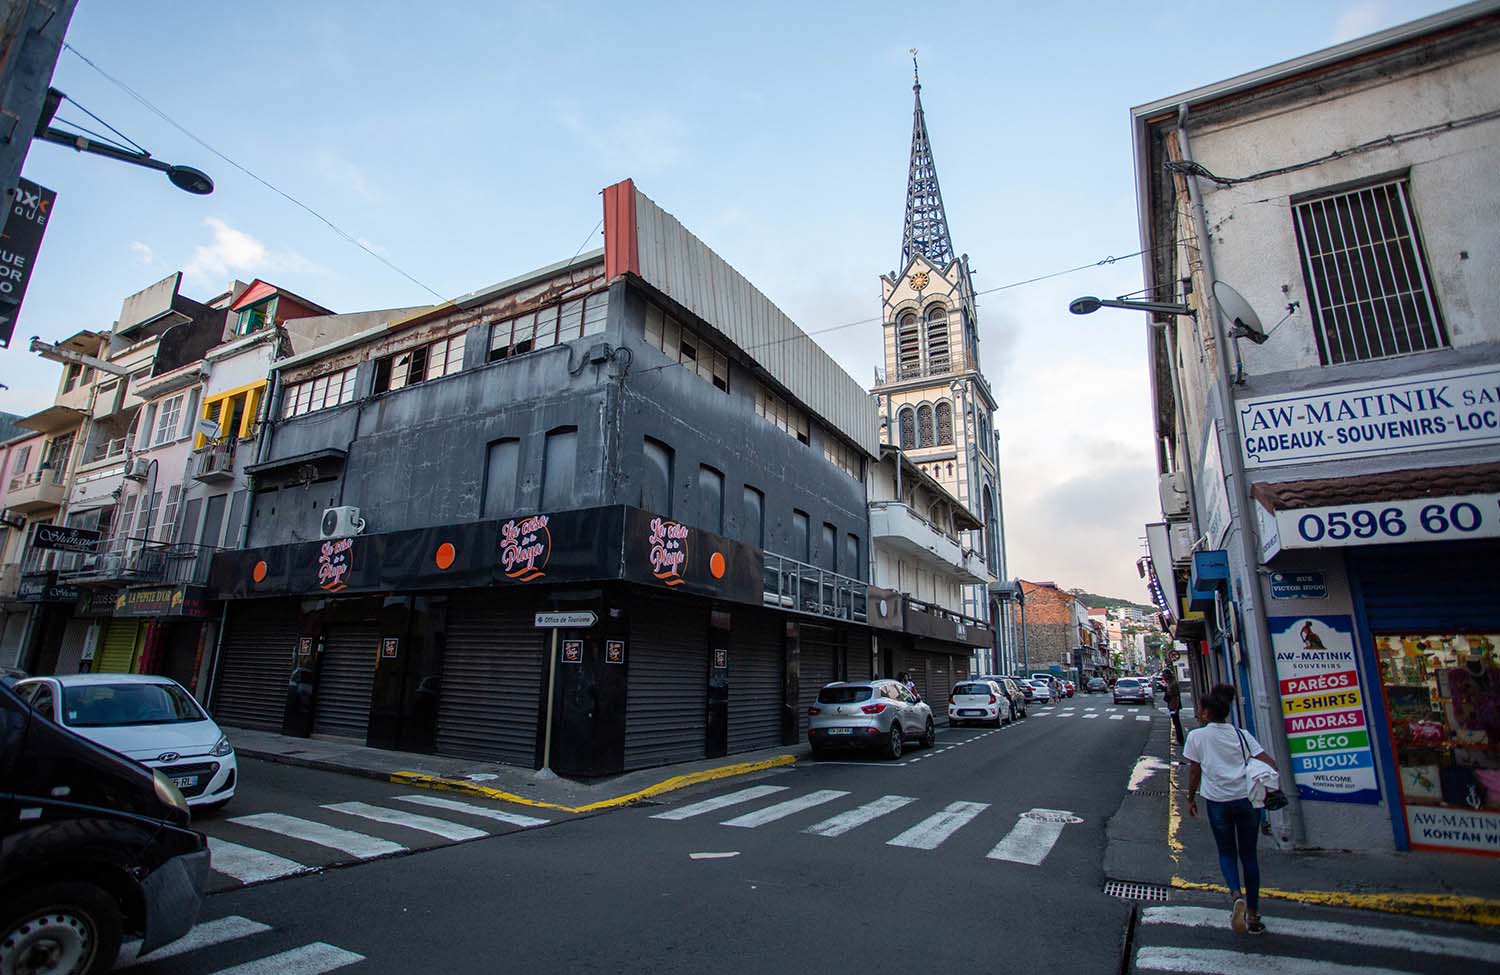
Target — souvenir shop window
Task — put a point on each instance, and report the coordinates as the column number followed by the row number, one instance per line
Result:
column 1442, row 695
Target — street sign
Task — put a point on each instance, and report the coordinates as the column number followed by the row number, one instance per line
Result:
column 29, row 209
column 567, row 621
column 1299, row 585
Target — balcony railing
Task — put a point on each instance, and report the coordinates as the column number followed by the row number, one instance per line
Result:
column 35, row 478
column 106, row 450
column 214, row 461
column 802, row 588
column 138, row 561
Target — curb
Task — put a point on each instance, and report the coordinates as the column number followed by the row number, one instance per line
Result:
column 423, row 781
column 1445, row 907
column 277, row 758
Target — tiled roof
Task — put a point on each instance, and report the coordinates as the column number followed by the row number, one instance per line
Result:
column 1426, row 482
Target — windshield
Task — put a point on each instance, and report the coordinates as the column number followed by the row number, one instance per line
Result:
column 116, row 705
column 843, row 695
column 973, row 689
column 1127, row 682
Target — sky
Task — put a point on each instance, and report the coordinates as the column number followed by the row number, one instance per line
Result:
column 469, row 145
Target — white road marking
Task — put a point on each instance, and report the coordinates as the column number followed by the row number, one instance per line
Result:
column 932, row 831
column 719, row 802
column 200, row 936
column 1353, row 934
column 1091, row 716
column 783, row 809
column 1143, row 717
column 249, row 865
column 359, row 845
column 1145, row 767
column 1212, row 961
column 1091, row 708
column 313, row 959
column 396, row 817
column 470, row 809
column 1112, row 709
column 844, row 822
column 1031, row 839
column 1117, row 717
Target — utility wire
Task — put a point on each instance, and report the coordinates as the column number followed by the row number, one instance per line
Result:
column 133, row 144
column 350, row 238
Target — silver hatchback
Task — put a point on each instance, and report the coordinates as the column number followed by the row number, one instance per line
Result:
column 880, row 714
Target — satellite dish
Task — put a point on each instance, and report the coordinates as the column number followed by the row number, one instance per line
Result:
column 207, row 429
column 1246, row 323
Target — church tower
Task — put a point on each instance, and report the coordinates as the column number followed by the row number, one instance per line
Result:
column 933, row 399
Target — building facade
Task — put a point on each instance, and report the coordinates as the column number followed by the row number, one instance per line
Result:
column 1327, row 414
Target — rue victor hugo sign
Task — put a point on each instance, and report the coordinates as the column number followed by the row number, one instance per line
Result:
column 1322, row 706
column 61, row 538
column 25, row 223
column 1456, row 408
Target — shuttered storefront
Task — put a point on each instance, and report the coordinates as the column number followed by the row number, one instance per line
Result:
column 667, row 697
column 1438, row 589
column 116, row 653
column 492, row 680
column 346, row 676
column 939, row 672
column 256, row 660
column 859, row 655
column 755, row 672
column 818, row 667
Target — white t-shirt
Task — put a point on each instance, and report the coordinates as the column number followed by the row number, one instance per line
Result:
column 1216, row 747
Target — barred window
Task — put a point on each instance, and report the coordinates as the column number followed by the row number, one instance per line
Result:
column 907, row 420
column 945, row 422
column 319, row 394
column 1362, row 260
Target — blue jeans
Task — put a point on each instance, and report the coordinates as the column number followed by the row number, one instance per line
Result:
column 1236, row 827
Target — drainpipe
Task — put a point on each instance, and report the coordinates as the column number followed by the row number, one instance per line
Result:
column 1239, row 496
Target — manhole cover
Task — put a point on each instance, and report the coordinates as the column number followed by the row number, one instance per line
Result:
column 1051, row 816
column 1128, row 891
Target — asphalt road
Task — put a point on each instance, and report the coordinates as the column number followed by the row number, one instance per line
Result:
column 983, row 853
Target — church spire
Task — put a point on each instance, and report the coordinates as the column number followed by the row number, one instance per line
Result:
column 926, row 230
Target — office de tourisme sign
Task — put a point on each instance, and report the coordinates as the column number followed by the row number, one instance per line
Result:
column 1457, row 408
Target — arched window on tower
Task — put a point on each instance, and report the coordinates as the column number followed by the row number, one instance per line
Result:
column 945, row 422
column 908, row 347
column 991, row 530
column 925, row 436
column 907, row 421
column 937, row 339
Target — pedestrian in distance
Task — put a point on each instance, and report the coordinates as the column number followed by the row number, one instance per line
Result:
column 1173, row 696
column 1218, row 756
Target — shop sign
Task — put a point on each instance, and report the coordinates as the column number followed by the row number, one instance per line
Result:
column 1456, row 408
column 669, row 552
column 1458, row 829
column 20, row 242
column 1388, row 522
column 180, row 600
column 1211, row 489
column 335, row 562
column 1299, row 585
column 61, row 538
column 1270, row 534
column 1322, row 704
column 525, row 548
column 43, row 588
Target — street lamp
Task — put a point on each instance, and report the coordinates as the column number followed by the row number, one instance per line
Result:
column 185, row 178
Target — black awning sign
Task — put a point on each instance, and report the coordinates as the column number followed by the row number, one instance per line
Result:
column 25, row 222
column 62, row 538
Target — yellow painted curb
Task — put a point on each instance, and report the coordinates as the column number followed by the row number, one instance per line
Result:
column 424, row 781
column 1448, row 907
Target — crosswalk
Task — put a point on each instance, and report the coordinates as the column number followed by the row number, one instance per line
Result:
column 314, row 958
column 1095, row 712
column 412, row 820
column 1028, row 841
column 1309, row 941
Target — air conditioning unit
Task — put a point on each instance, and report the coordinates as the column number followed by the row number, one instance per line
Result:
column 341, row 522
column 1174, row 496
column 1180, row 541
column 138, row 468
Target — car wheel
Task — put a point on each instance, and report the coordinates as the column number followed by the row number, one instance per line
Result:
column 896, row 743
column 61, row 929
column 929, row 737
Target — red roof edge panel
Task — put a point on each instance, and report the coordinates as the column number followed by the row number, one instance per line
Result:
column 622, row 249
column 258, row 289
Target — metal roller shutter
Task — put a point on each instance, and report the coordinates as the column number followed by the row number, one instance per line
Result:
column 755, row 673
column 817, row 668
column 346, row 677
column 939, row 671
column 117, row 650
column 859, row 656
column 257, row 647
column 492, row 681
column 1416, row 588
column 667, row 697
column 918, row 670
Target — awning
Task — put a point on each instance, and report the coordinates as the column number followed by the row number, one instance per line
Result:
column 1422, row 482
column 52, row 419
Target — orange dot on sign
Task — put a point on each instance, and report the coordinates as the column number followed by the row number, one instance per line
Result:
column 445, row 555
column 259, row 572
column 716, row 565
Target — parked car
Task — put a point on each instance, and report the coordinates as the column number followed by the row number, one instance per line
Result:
column 1069, row 688
column 1024, row 683
column 880, row 714
column 98, row 847
column 153, row 720
column 1096, row 685
column 1013, row 692
column 978, row 699
column 1133, row 690
column 1052, row 682
column 1042, row 690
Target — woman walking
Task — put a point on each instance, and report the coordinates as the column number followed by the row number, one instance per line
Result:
column 1218, row 754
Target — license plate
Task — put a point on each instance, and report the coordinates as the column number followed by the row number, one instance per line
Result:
column 970, row 711
column 185, row 781
column 841, row 731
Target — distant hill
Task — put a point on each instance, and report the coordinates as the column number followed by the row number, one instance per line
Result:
column 8, row 427
column 1095, row 601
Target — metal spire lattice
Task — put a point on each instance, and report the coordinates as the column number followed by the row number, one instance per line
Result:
column 926, row 224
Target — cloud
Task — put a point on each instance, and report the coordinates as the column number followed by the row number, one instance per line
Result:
column 1360, row 19
column 233, row 251
column 142, row 251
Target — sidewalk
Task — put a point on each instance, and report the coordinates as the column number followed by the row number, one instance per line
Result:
column 491, row 780
column 1153, row 840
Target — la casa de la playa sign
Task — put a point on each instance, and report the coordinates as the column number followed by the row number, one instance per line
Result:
column 1456, row 408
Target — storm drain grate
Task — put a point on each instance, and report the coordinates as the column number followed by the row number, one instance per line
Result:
column 1128, row 891
column 1148, row 792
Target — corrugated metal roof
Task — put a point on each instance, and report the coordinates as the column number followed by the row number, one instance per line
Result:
column 686, row 270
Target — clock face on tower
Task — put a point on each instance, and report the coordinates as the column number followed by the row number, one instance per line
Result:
column 918, row 281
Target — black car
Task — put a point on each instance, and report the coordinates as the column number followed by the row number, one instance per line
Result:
column 93, row 847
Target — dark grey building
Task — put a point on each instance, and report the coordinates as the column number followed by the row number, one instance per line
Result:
column 636, row 438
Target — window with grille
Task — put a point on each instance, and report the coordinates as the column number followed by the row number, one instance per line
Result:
column 908, row 347
column 937, row 339
column 945, row 422
column 926, row 436
column 907, row 420
column 1366, row 276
